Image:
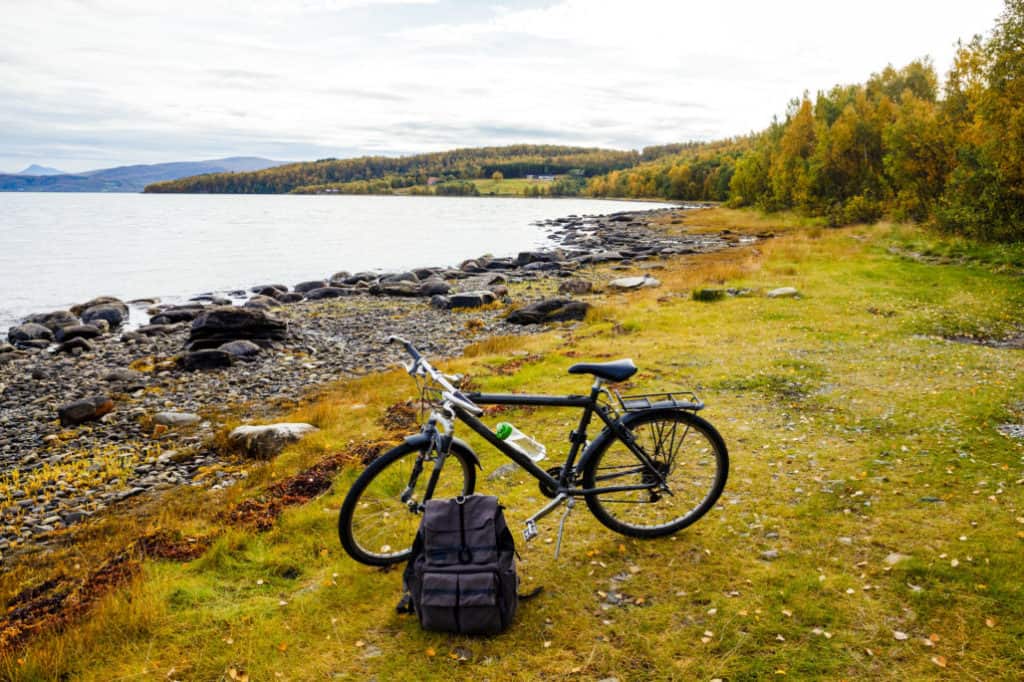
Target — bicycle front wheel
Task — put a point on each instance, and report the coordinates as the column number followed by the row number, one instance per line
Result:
column 375, row 525
column 686, row 451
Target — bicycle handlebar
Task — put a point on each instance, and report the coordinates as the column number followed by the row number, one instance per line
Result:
column 450, row 393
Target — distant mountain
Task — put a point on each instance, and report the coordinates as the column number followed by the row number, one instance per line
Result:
column 36, row 169
column 129, row 178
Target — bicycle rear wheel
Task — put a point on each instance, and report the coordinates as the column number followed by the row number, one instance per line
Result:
column 375, row 525
column 685, row 449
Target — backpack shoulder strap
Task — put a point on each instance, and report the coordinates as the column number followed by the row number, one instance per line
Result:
column 405, row 604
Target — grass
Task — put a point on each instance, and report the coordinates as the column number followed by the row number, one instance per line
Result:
column 856, row 433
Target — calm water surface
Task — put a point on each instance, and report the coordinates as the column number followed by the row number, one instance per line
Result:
column 61, row 249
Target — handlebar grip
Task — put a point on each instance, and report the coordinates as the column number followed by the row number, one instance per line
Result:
column 411, row 349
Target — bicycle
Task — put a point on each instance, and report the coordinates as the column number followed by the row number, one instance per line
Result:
column 654, row 469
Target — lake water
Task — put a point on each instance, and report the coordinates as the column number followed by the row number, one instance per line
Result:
column 61, row 249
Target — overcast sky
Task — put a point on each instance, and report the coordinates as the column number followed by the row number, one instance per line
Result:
column 94, row 83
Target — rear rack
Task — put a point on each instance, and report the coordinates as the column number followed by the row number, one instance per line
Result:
column 678, row 400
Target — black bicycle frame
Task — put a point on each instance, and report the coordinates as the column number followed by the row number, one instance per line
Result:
column 590, row 406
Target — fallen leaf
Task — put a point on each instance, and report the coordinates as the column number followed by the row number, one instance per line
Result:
column 990, row 622
column 430, row 652
column 939, row 661
column 898, row 635
column 934, row 637
column 360, row 643
column 787, row 613
column 282, row 647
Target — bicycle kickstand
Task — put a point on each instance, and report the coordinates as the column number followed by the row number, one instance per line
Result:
column 530, row 532
column 561, row 524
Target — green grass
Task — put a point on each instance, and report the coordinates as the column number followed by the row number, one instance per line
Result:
column 855, row 432
column 507, row 187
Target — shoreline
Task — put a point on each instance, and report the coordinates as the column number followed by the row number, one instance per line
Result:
column 13, row 312
column 67, row 474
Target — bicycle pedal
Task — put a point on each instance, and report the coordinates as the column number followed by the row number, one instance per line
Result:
column 530, row 532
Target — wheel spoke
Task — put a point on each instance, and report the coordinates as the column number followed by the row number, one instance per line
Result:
column 684, row 456
column 379, row 525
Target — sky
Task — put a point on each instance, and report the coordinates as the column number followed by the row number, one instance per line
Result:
column 89, row 84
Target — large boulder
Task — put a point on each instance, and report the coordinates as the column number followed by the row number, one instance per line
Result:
column 241, row 349
column 576, row 286
column 550, row 310
column 55, row 320
column 100, row 300
column 84, row 410
column 173, row 419
column 627, row 283
column 471, row 299
column 220, row 325
column 399, row 277
column 395, row 288
column 263, row 442
column 303, row 287
column 262, row 302
column 30, row 331
column 208, row 358
column 328, row 292
column 175, row 314
column 432, row 286
column 115, row 313
column 78, row 344
column 78, row 331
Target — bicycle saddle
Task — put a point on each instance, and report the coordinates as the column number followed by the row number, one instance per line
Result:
column 617, row 370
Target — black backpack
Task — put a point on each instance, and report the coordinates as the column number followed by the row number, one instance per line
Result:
column 461, row 576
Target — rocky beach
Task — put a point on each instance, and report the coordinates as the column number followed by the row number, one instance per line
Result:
column 96, row 409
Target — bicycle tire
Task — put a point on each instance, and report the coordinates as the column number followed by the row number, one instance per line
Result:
column 394, row 535
column 611, row 460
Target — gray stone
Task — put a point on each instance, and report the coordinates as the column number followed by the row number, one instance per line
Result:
column 54, row 320
column 87, row 409
column 262, row 303
column 173, row 419
column 783, row 292
column 503, row 471
column 220, row 325
column 327, row 292
column 400, row 277
column 770, row 554
column 243, row 350
column 114, row 313
column 575, row 286
column 895, row 557
column 30, row 331
column 433, row 286
column 471, row 299
column 100, row 300
column 263, row 442
column 303, row 287
column 74, row 346
column 550, row 310
column 206, row 358
column 78, row 331
column 626, row 283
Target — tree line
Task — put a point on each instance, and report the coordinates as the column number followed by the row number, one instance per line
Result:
column 900, row 144
column 514, row 161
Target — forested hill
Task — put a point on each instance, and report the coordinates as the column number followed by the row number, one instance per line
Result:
column 902, row 144
column 515, row 161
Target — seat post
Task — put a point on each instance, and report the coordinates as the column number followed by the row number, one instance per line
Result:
column 595, row 389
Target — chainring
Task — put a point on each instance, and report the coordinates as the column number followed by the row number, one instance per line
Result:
column 545, row 490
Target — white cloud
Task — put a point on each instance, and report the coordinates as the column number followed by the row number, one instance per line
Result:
column 95, row 82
